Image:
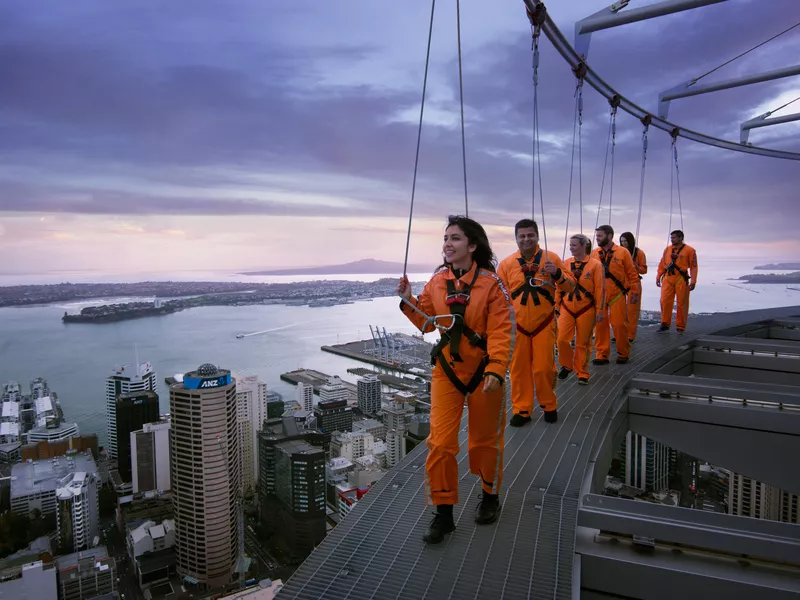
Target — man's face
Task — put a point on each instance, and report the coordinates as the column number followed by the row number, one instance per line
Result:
column 676, row 239
column 603, row 239
column 527, row 238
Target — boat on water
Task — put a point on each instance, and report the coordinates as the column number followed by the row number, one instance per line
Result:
column 239, row 336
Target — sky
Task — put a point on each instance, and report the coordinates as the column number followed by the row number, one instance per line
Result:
column 143, row 136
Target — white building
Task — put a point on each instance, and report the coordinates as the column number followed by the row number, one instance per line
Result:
column 52, row 431
column 395, row 414
column 31, row 581
column 34, row 483
column 352, row 445
column 150, row 458
column 251, row 412
column 305, row 396
column 334, row 389
column 369, row 394
column 150, row 537
column 750, row 498
column 78, row 510
column 125, row 380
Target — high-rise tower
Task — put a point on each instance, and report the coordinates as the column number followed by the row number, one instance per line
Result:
column 206, row 474
column 125, row 380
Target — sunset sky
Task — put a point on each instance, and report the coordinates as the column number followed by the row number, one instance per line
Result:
column 142, row 136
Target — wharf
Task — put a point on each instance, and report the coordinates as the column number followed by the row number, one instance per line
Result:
column 314, row 378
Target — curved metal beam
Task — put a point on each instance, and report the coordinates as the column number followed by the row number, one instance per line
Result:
column 537, row 13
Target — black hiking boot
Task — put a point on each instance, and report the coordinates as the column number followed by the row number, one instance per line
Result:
column 564, row 373
column 488, row 509
column 519, row 420
column 600, row 361
column 662, row 328
column 441, row 524
column 550, row 416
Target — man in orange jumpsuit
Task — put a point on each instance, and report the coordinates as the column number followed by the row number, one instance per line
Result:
column 677, row 276
column 621, row 280
column 579, row 309
column 628, row 241
column 534, row 277
column 471, row 360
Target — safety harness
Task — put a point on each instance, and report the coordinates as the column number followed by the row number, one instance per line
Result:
column 529, row 289
column 605, row 260
column 633, row 257
column 457, row 301
column 579, row 292
column 672, row 267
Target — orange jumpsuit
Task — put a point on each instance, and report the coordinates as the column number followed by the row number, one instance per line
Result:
column 578, row 312
column 533, row 366
column 489, row 314
column 677, row 265
column 621, row 277
column 634, row 310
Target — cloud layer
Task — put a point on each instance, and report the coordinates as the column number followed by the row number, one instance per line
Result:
column 289, row 124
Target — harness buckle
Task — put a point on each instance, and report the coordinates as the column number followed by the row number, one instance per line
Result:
column 537, row 282
column 453, row 318
column 459, row 298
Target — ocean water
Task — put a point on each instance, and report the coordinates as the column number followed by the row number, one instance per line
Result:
column 76, row 358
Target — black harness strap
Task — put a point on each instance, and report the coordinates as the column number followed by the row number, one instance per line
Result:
column 672, row 267
column 457, row 300
column 527, row 289
column 577, row 271
column 605, row 259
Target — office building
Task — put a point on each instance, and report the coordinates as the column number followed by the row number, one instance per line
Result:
column 206, row 476
column 125, row 380
column 333, row 389
column 750, row 498
column 334, row 415
column 647, row 463
column 251, row 412
column 133, row 410
column 34, row 484
column 305, row 396
column 369, row 394
column 35, row 580
column 78, row 510
column 150, row 469
column 86, row 575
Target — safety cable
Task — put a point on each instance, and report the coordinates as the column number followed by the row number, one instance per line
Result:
column 576, row 128
column 419, row 138
column 605, row 168
column 536, row 141
column 783, row 106
column 696, row 79
column 461, row 96
column 674, row 179
column 646, row 124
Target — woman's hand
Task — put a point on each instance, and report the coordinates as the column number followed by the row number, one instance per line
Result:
column 404, row 287
column 490, row 384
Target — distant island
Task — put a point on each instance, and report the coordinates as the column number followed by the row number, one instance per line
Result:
column 787, row 266
column 367, row 266
column 772, row 278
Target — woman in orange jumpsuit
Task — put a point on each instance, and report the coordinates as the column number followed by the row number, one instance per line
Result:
column 471, row 360
column 627, row 241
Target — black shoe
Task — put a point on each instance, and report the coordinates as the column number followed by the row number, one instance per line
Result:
column 631, row 341
column 564, row 373
column 550, row 416
column 662, row 328
column 519, row 420
column 614, row 340
column 600, row 361
column 622, row 360
column 488, row 509
column 441, row 524
column 583, row 381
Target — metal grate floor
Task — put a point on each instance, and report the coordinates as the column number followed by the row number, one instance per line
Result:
column 377, row 552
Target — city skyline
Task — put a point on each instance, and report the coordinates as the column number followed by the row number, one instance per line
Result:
column 244, row 136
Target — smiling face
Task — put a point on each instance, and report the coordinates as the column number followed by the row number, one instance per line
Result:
column 527, row 239
column 624, row 243
column 576, row 248
column 456, row 247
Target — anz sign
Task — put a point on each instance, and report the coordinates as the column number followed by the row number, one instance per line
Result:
column 204, row 383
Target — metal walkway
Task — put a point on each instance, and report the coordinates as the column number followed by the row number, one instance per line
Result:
column 377, row 552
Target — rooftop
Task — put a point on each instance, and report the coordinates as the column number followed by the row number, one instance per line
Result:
column 727, row 391
column 45, row 475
